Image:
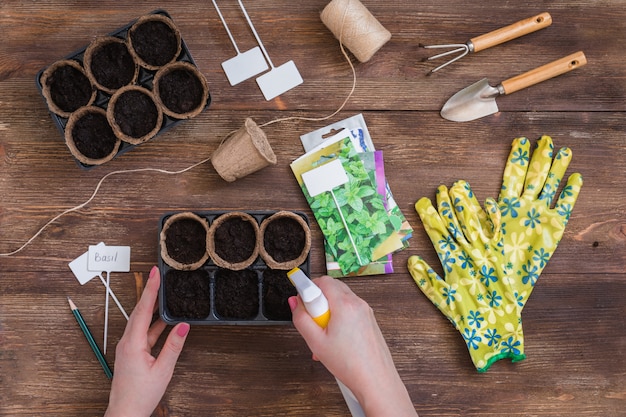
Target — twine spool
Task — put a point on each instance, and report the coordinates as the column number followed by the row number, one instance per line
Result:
column 245, row 152
column 355, row 27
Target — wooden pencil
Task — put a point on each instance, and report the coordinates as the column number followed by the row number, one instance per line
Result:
column 90, row 339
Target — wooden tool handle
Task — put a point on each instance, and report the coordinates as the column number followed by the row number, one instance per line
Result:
column 545, row 72
column 512, row 31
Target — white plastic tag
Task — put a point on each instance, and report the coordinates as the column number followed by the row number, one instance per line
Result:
column 279, row 80
column 108, row 258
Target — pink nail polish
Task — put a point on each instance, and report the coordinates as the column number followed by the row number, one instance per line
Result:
column 183, row 329
column 154, row 272
column 293, row 302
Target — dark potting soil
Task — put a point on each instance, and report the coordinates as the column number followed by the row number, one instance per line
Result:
column 236, row 294
column 135, row 113
column 70, row 89
column 112, row 65
column 276, row 290
column 235, row 240
column 155, row 42
column 180, row 91
column 284, row 239
column 93, row 136
column 187, row 294
column 185, row 240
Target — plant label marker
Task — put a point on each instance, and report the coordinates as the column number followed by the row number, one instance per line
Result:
column 325, row 179
column 279, row 79
column 245, row 64
column 84, row 275
column 108, row 259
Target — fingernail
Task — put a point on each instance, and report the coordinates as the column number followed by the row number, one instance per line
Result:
column 293, row 302
column 154, row 272
column 183, row 329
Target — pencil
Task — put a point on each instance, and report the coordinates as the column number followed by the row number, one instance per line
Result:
column 90, row 339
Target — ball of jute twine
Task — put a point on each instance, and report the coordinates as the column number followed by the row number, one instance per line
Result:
column 353, row 24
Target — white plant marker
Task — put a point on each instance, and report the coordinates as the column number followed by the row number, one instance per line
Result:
column 108, row 259
column 277, row 80
column 84, row 275
column 245, row 64
column 324, row 179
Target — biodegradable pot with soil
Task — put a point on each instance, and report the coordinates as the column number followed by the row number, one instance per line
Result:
column 109, row 64
column 188, row 294
column 89, row 136
column 66, row 87
column 154, row 41
column 284, row 240
column 232, row 240
column 134, row 114
column 183, row 241
column 276, row 291
column 181, row 90
column 236, row 294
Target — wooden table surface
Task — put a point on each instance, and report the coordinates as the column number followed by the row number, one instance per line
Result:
column 574, row 321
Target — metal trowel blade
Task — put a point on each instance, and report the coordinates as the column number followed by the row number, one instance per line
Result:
column 473, row 102
column 279, row 80
column 244, row 65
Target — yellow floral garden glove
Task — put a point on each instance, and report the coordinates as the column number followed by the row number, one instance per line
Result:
column 532, row 228
column 523, row 239
column 476, row 294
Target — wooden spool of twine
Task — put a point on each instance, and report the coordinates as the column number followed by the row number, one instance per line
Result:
column 355, row 27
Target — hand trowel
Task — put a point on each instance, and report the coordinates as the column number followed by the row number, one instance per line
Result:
column 245, row 64
column 479, row 99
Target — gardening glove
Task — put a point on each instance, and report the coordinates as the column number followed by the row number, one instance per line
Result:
column 477, row 294
column 531, row 228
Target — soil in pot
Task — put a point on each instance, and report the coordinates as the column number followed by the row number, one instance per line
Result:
column 276, row 291
column 110, row 64
column 66, row 87
column 90, row 137
column 187, row 294
column 134, row 115
column 286, row 240
column 155, row 41
column 183, row 241
column 233, row 240
column 236, row 294
column 181, row 89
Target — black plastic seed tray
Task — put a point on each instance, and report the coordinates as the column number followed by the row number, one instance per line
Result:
column 209, row 273
column 144, row 79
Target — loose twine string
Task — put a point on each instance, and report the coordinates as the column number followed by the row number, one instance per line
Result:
column 367, row 24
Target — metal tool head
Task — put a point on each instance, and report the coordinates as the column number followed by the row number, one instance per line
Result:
column 473, row 102
column 460, row 49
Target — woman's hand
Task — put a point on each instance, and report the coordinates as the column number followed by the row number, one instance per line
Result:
column 140, row 379
column 354, row 350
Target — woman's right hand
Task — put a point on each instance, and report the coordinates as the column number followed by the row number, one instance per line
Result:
column 354, row 350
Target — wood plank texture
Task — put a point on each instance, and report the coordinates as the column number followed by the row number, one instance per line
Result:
column 574, row 321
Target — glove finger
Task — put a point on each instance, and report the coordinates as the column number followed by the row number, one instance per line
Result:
column 557, row 171
column 447, row 212
column 568, row 197
column 515, row 169
column 539, row 167
column 473, row 220
column 430, row 283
